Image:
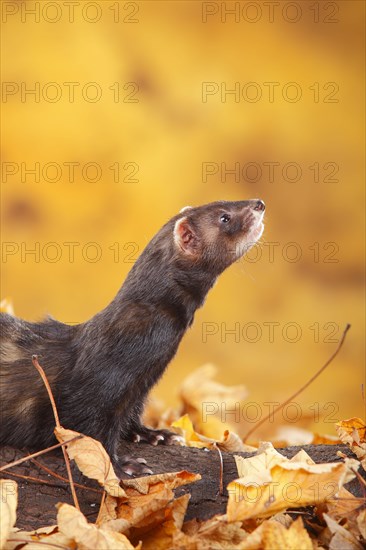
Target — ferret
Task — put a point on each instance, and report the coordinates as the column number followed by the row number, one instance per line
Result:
column 101, row 371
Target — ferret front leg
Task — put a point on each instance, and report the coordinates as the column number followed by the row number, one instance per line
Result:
column 142, row 434
column 126, row 465
column 138, row 433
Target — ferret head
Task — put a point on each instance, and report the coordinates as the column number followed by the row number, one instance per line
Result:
column 217, row 234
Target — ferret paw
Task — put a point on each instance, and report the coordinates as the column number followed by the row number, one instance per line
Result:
column 156, row 437
column 134, row 467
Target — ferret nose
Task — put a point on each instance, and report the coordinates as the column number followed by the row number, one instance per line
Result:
column 259, row 205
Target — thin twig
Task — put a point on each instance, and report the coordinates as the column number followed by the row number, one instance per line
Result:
column 256, row 426
column 48, row 388
column 360, row 480
column 58, row 425
column 221, row 486
column 62, row 478
column 38, row 453
column 37, row 480
column 38, row 542
column 101, row 506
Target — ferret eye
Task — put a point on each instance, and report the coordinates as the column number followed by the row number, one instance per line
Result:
column 225, row 218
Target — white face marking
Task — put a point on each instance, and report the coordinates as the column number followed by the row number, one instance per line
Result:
column 252, row 237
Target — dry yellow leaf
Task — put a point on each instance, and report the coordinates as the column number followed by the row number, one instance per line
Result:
column 108, row 510
column 292, row 435
column 277, row 537
column 179, row 509
column 149, row 499
column 270, row 483
column 51, row 542
column 92, row 460
column 169, row 480
column 74, row 525
column 344, row 505
column 229, row 442
column 361, row 522
column 199, row 387
column 257, row 467
column 355, row 428
column 341, row 538
column 211, row 405
column 142, row 511
column 8, row 508
column 191, row 438
column 232, row 443
column 162, row 535
column 16, row 540
column 214, row 533
column 319, row 439
column 353, row 433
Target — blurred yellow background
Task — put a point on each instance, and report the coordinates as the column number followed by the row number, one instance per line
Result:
column 128, row 111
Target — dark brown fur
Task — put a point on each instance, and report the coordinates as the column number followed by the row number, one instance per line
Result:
column 100, row 371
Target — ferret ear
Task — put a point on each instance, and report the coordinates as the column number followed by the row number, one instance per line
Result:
column 184, row 236
column 184, row 209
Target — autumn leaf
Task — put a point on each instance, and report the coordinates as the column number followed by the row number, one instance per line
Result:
column 319, row 439
column 92, row 460
column 229, row 442
column 341, row 538
column 361, row 522
column 277, row 537
column 148, row 501
column 164, row 535
column 352, row 432
column 206, row 400
column 344, row 505
column 42, row 539
column 73, row 524
column 270, row 483
column 8, row 508
column 170, row 480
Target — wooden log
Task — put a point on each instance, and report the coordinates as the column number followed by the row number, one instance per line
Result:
column 37, row 500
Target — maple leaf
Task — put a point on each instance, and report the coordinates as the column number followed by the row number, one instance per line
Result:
column 73, row 524
column 91, row 459
column 270, row 483
column 352, row 432
column 230, row 441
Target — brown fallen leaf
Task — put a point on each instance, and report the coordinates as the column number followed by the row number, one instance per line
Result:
column 319, row 439
column 344, row 505
column 215, row 533
column 361, row 522
column 42, row 540
column 271, row 483
column 230, row 441
column 170, row 480
column 342, row 539
column 73, row 524
column 92, row 460
column 277, row 537
column 163, row 535
column 352, row 432
column 8, row 508
column 206, row 401
column 148, row 499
